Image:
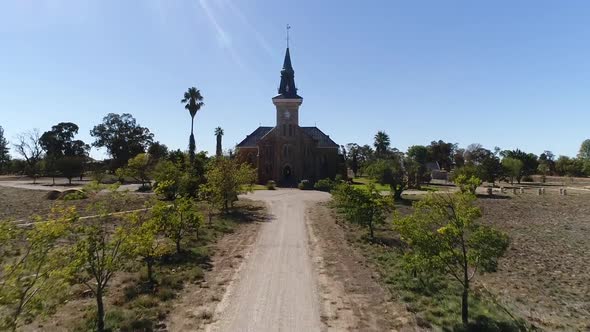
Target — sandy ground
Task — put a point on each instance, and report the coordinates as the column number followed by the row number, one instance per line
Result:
column 276, row 289
column 352, row 297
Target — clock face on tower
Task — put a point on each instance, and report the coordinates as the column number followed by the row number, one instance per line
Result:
column 287, row 115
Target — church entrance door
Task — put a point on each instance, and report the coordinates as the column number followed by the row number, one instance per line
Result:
column 287, row 176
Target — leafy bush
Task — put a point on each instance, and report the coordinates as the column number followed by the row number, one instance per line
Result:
column 271, row 185
column 305, row 185
column 74, row 196
column 325, row 185
column 467, row 184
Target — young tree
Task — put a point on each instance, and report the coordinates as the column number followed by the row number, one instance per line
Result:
column 97, row 254
column 169, row 179
column 467, row 184
column 443, row 235
column 30, row 281
column 381, row 144
column 28, row 145
column 226, row 179
column 543, row 169
column 143, row 241
column 193, row 101
column 513, row 168
column 389, row 172
column 178, row 220
column 122, row 136
column 367, row 208
column 218, row 136
column 139, row 168
column 4, row 155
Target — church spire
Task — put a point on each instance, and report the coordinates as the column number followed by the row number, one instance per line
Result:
column 287, row 88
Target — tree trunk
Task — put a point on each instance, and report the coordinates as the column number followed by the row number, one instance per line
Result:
column 371, row 231
column 150, row 273
column 100, row 310
column 465, row 304
column 178, row 246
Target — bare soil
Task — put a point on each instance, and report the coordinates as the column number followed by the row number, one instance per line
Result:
column 545, row 275
column 22, row 204
column 353, row 299
column 194, row 307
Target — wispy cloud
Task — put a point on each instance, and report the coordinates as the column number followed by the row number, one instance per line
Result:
column 223, row 36
column 259, row 37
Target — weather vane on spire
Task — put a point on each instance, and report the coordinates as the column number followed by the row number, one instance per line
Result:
column 288, row 28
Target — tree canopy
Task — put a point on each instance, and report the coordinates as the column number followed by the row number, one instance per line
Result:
column 122, row 136
column 4, row 152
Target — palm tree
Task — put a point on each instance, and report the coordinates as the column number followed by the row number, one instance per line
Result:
column 381, row 143
column 194, row 102
column 218, row 134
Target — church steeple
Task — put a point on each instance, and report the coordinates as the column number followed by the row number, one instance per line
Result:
column 287, row 88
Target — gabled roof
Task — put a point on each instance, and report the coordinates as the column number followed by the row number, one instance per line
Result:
column 252, row 139
column 324, row 141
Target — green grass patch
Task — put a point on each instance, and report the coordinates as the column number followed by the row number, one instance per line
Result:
column 363, row 182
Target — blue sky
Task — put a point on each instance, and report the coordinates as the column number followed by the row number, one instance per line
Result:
column 500, row 73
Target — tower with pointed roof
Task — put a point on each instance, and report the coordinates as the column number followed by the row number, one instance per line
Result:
column 287, row 102
column 288, row 153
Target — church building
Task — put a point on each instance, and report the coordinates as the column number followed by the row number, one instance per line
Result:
column 288, row 153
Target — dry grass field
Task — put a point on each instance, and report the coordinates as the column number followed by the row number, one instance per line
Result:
column 543, row 280
column 545, row 275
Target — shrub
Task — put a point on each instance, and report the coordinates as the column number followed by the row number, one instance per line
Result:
column 305, row 185
column 527, row 178
column 467, row 184
column 325, row 185
column 271, row 185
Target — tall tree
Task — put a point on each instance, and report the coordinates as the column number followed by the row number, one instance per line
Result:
column 193, row 101
column 513, row 168
column 381, row 144
column 584, row 152
column 62, row 152
column 4, row 156
column 158, row 151
column 442, row 153
column 122, row 136
column 353, row 157
column 28, row 145
column 529, row 161
column 218, row 135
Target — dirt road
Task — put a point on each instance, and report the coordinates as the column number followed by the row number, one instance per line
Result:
column 276, row 289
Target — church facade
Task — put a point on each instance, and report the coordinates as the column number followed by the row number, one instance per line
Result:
column 288, row 153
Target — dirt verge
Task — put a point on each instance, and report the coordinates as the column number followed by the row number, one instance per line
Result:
column 352, row 298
